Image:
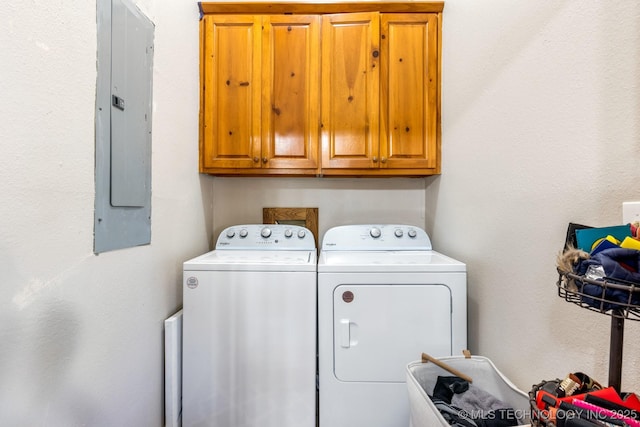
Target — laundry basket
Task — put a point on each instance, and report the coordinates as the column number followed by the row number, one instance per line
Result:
column 422, row 377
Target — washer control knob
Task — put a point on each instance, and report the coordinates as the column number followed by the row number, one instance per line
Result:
column 412, row 233
column 244, row 233
column 398, row 233
column 288, row 233
column 266, row 232
column 301, row 234
column 375, row 232
column 230, row 233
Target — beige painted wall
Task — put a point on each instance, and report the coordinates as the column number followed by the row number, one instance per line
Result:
column 339, row 200
column 82, row 335
column 541, row 126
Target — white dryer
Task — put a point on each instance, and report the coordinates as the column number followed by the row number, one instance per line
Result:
column 249, row 330
column 384, row 297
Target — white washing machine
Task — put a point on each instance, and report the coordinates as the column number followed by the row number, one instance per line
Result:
column 249, row 330
column 384, row 297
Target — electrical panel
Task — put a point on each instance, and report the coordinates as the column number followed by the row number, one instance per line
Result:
column 123, row 127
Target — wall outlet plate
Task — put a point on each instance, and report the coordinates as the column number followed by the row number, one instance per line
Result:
column 630, row 212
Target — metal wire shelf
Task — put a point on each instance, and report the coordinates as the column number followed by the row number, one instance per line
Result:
column 616, row 298
column 598, row 297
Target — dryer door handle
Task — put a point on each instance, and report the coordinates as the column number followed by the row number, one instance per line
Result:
column 345, row 333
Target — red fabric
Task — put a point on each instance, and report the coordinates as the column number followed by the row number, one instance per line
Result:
column 609, row 393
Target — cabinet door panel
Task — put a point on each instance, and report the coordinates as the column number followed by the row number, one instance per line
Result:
column 291, row 84
column 231, row 91
column 350, row 90
column 410, row 81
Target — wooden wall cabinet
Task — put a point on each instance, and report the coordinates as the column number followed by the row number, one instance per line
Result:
column 341, row 89
column 259, row 112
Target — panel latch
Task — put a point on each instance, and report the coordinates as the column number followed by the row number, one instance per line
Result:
column 117, row 102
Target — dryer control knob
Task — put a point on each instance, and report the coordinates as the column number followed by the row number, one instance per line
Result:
column 266, row 232
column 412, row 233
column 398, row 233
column 375, row 232
column 301, row 234
column 288, row 233
column 244, row 233
column 230, row 233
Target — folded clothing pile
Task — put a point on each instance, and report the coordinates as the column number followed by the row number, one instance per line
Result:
column 619, row 266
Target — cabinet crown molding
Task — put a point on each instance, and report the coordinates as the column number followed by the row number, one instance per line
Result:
column 319, row 7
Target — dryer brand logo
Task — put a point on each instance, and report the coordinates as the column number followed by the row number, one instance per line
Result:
column 192, row 282
column 347, row 297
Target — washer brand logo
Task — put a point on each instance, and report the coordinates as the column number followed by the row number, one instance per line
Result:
column 192, row 282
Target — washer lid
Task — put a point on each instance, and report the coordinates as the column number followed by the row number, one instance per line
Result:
column 387, row 261
column 256, row 260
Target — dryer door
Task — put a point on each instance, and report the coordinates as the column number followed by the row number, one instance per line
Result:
column 378, row 329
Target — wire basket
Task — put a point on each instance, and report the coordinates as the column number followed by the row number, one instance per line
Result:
column 539, row 418
column 613, row 297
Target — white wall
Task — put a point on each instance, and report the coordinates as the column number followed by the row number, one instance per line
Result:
column 82, row 335
column 339, row 200
column 541, row 126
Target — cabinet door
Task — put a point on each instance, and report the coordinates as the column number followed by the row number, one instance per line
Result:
column 230, row 121
column 409, row 82
column 350, row 90
column 291, row 90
